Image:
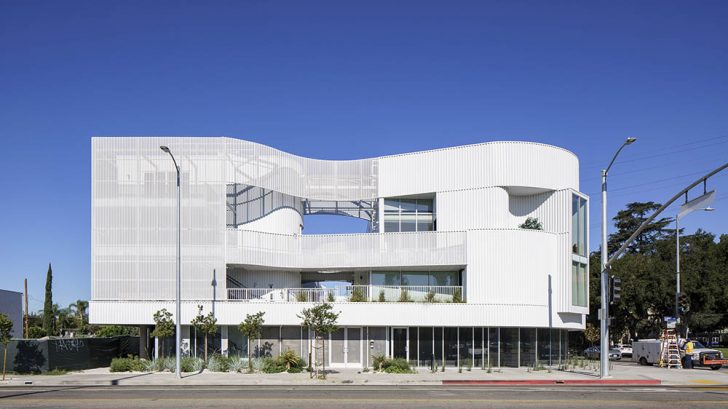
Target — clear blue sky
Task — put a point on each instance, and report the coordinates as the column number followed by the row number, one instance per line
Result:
column 343, row 80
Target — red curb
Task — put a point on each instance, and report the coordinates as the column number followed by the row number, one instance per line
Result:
column 557, row 382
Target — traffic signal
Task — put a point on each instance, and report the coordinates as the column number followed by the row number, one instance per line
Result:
column 683, row 302
column 616, row 289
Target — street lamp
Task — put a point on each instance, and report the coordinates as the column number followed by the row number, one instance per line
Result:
column 604, row 315
column 684, row 212
column 178, row 313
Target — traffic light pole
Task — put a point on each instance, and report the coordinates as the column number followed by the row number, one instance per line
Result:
column 677, row 269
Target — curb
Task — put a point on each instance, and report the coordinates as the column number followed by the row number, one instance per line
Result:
column 570, row 382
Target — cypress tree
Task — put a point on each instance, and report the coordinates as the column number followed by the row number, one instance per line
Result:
column 48, row 317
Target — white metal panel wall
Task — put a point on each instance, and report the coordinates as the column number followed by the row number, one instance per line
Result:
column 510, row 266
column 484, row 208
column 282, row 221
column 351, row 314
column 259, row 165
column 553, row 210
column 133, row 210
column 483, row 165
column 346, row 250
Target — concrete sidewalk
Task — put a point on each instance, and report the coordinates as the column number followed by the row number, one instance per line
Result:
column 621, row 374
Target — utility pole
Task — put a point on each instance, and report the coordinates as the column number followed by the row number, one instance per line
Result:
column 27, row 334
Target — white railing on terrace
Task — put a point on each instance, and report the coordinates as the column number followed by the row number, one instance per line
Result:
column 351, row 293
column 346, row 250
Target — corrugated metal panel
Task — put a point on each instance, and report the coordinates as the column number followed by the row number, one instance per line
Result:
column 472, row 209
column 346, row 250
column 351, row 314
column 485, row 165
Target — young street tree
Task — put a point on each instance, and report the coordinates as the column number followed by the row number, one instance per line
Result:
column 252, row 327
column 6, row 327
column 163, row 327
column 322, row 321
column 206, row 324
column 48, row 315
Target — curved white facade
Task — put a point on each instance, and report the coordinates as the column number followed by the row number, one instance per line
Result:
column 243, row 207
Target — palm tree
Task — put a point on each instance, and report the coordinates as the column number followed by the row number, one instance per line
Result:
column 79, row 309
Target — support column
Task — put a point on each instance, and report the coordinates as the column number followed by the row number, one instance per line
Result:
column 144, row 341
column 224, row 340
column 156, row 347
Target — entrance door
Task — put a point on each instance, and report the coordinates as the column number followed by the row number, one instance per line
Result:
column 345, row 348
column 400, row 342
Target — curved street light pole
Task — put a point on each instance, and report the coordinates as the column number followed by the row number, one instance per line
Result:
column 178, row 314
column 604, row 314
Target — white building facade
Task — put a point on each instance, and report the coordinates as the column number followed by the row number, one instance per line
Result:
column 445, row 274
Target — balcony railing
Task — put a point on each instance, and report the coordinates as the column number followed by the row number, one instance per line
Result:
column 351, row 293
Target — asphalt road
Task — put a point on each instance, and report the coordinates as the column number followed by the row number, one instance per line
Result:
column 324, row 397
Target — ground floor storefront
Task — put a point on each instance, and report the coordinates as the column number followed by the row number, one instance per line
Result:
column 355, row 347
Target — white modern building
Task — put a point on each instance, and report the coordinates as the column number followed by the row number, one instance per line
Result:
column 445, row 272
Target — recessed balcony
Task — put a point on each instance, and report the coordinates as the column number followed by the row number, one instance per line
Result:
column 351, row 293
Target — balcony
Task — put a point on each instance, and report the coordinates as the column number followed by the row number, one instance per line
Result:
column 345, row 250
column 351, row 293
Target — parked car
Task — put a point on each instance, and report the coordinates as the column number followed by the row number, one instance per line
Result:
column 591, row 353
column 625, row 349
column 615, row 354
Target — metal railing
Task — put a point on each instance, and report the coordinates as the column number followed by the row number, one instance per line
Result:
column 351, row 293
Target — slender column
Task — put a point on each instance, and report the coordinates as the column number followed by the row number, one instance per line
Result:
column 604, row 316
column 677, row 268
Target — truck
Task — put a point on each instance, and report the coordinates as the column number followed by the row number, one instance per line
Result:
column 647, row 352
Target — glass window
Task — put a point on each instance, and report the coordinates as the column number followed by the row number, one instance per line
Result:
column 578, row 284
column 528, row 346
column 408, row 205
column 479, row 352
column 391, row 225
column 466, row 347
column 385, row 278
column 408, row 222
column 425, row 345
column 391, row 205
column 414, row 278
column 444, row 278
column 413, row 347
column 509, row 347
column 578, row 225
column 406, row 215
column 424, row 224
column 424, row 206
column 548, row 346
column 437, row 339
column 493, row 343
column 451, row 346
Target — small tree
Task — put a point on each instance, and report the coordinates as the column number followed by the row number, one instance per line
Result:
column 48, row 315
column 322, row 321
column 252, row 328
column 207, row 324
column 532, row 223
column 163, row 327
column 6, row 327
column 591, row 334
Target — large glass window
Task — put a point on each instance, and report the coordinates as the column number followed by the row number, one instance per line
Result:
column 426, row 355
column 437, row 339
column 578, row 284
column 493, row 347
column 385, row 278
column 466, row 347
column 403, row 215
column 528, row 346
column 479, row 352
column 415, row 278
column 578, row 225
column 451, row 346
column 509, row 347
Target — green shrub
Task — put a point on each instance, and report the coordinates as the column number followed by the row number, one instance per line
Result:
column 288, row 361
column 128, row 364
column 357, row 295
column 164, row 364
column 220, row 363
column 238, row 364
column 430, row 296
column 457, row 296
column 404, row 296
column 302, row 296
column 189, row 364
column 330, row 296
column 397, row 365
column 378, row 362
column 382, row 298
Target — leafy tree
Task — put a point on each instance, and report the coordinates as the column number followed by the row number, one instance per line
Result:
column 78, row 311
column 206, row 324
column 627, row 221
column 6, row 328
column 532, row 223
column 322, row 321
column 48, row 316
column 115, row 331
column 163, row 327
column 252, row 327
column 591, row 334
